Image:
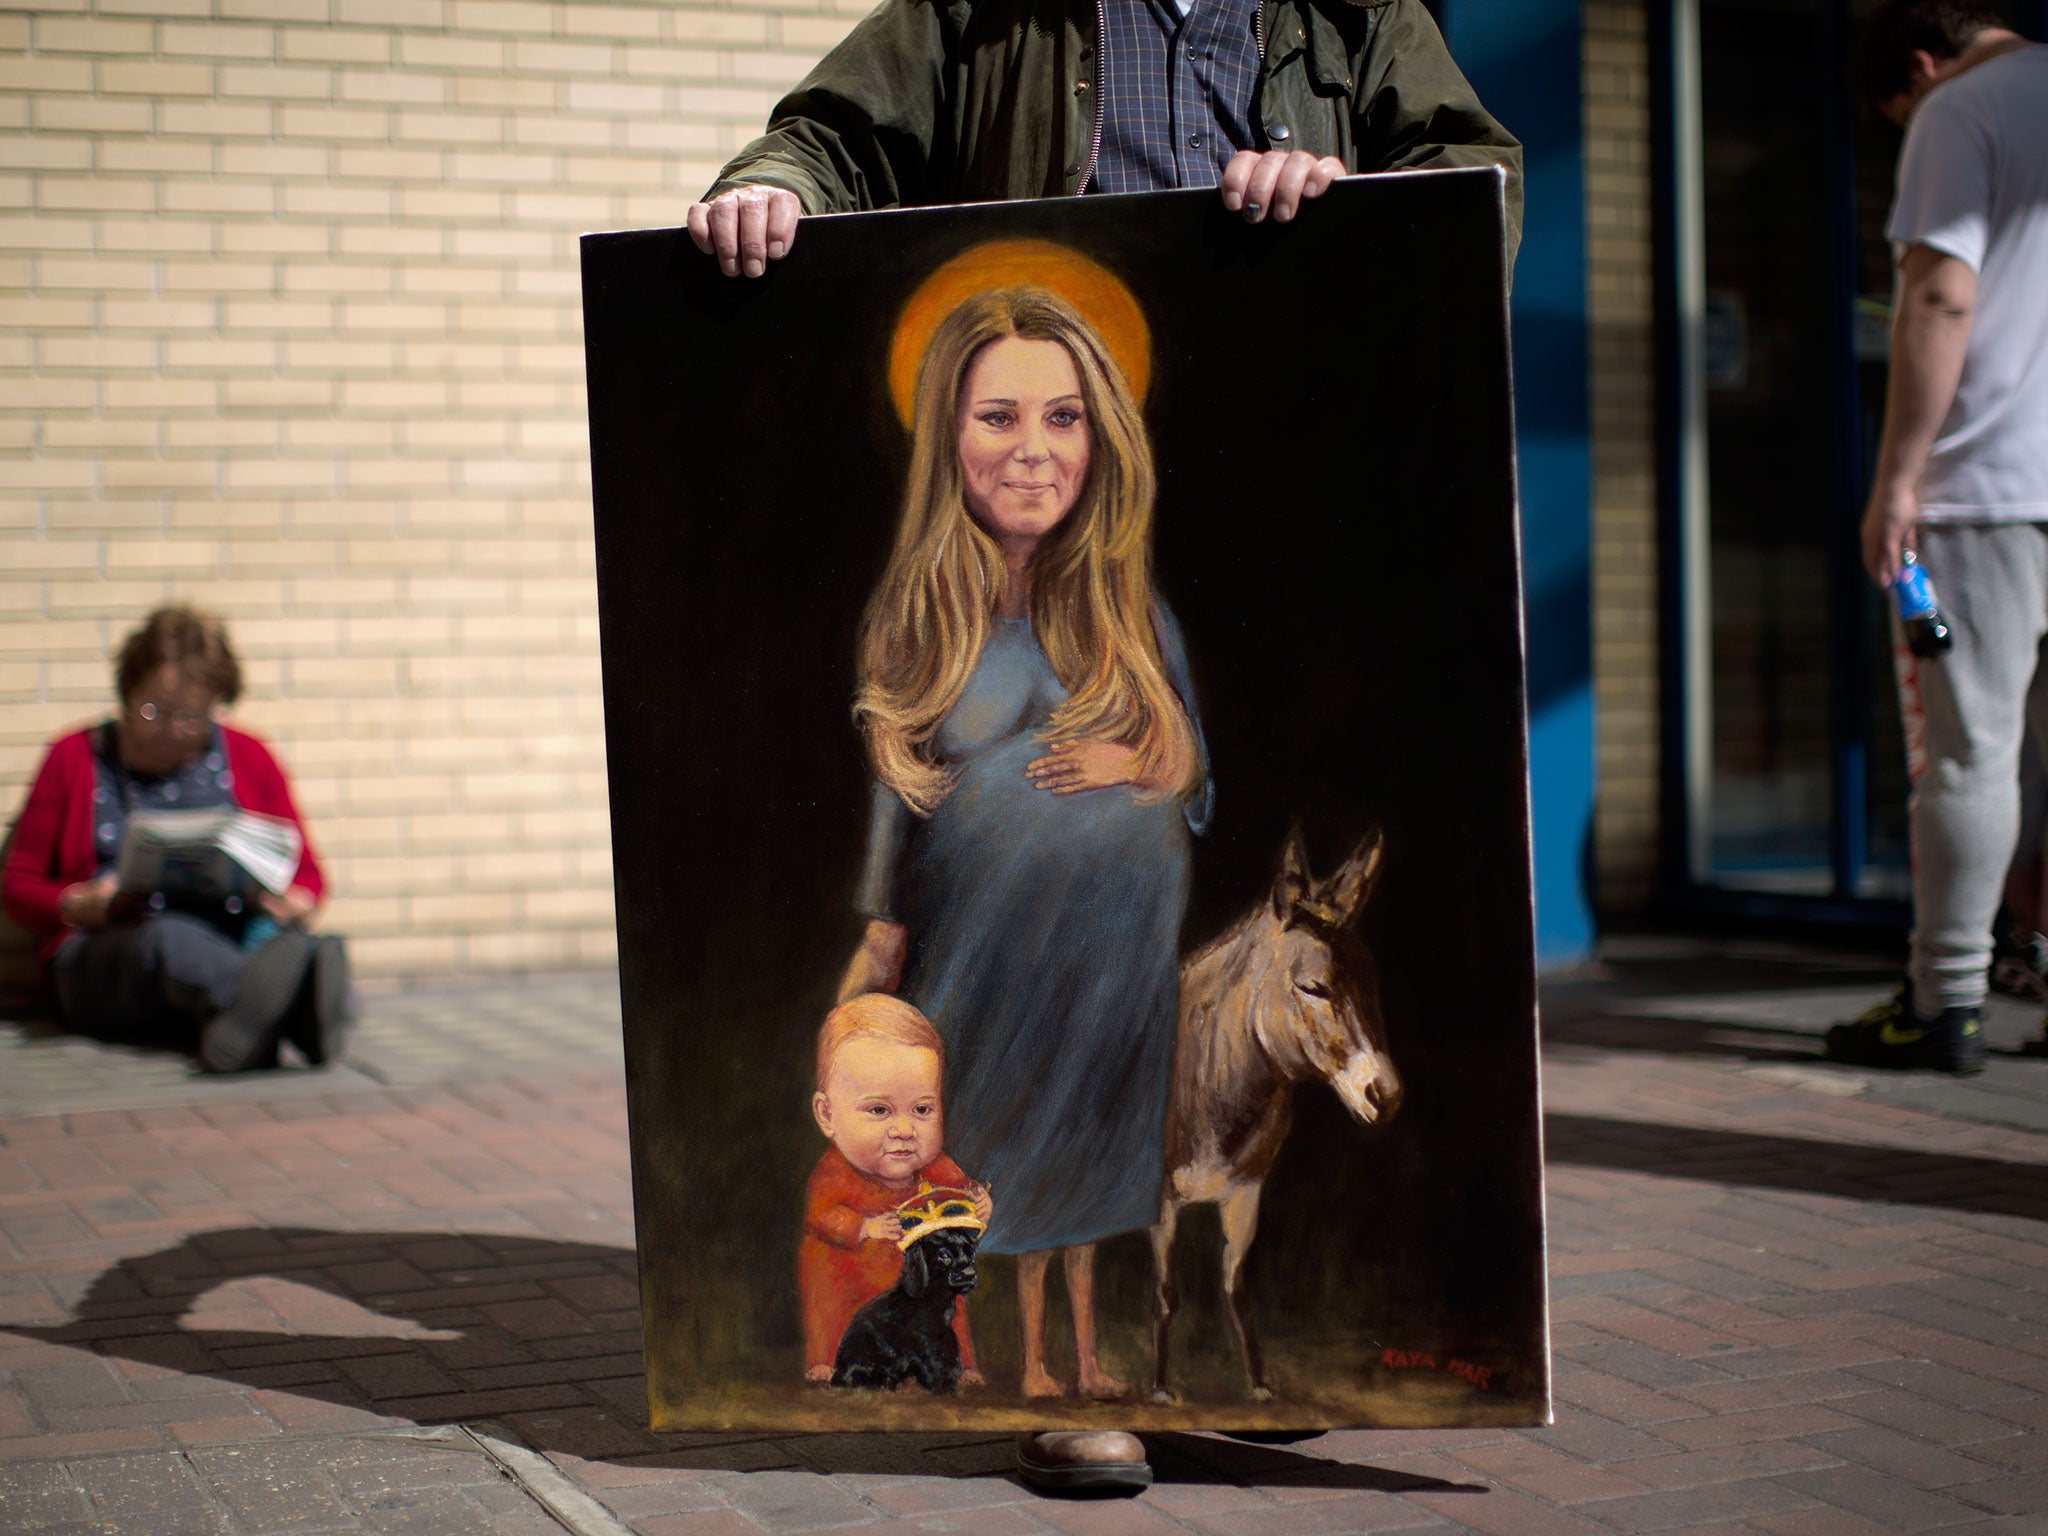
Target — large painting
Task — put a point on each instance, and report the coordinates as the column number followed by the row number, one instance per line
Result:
column 1064, row 705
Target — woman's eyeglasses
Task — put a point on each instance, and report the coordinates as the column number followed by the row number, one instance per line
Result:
column 173, row 719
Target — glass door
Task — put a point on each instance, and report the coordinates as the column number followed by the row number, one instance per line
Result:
column 1788, row 741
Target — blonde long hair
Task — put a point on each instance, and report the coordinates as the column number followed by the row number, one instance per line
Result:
column 1091, row 579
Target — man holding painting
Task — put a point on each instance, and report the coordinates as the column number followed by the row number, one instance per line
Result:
column 981, row 100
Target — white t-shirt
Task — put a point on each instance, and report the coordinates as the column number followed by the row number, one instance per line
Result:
column 1973, row 184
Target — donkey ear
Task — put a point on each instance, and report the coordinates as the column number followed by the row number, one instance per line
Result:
column 1291, row 882
column 917, row 1273
column 1352, row 886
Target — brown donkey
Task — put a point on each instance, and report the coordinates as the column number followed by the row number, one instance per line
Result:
column 1287, row 994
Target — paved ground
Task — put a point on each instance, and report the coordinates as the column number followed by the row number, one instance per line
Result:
column 399, row 1297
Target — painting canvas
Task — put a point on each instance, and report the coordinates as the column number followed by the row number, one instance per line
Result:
column 1063, row 696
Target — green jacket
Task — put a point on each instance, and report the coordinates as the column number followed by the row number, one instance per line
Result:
column 959, row 101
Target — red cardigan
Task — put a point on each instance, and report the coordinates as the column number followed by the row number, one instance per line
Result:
column 52, row 846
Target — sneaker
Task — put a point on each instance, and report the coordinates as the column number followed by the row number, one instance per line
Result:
column 2019, row 964
column 1890, row 1036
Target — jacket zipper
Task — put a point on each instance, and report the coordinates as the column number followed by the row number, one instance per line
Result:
column 1101, row 57
column 1259, row 28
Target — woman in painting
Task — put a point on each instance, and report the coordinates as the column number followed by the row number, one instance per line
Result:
column 1030, row 725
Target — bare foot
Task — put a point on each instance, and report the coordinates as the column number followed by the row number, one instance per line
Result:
column 1042, row 1383
column 821, row 1374
column 1102, row 1386
column 972, row 1379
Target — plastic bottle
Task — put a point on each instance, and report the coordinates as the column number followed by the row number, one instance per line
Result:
column 1927, row 633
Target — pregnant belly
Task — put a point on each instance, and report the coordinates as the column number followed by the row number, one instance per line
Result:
column 994, row 806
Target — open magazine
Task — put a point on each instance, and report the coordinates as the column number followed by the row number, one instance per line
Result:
column 208, row 852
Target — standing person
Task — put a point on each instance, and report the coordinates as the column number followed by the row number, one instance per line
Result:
column 981, row 100
column 1962, row 477
column 1030, row 725
column 225, row 977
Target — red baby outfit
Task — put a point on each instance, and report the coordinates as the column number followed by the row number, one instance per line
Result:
column 836, row 1273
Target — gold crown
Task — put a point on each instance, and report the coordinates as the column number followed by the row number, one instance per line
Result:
column 931, row 1209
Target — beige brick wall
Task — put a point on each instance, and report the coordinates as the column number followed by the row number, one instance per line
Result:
column 1619, row 293
column 289, row 327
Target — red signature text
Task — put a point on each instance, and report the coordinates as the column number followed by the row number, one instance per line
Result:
column 1421, row 1360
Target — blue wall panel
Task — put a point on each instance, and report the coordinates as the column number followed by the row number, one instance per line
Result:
column 1522, row 56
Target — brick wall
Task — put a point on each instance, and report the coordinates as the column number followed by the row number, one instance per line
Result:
column 1619, row 292
column 289, row 327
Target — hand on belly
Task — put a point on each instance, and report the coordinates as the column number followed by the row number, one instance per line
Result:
column 1072, row 766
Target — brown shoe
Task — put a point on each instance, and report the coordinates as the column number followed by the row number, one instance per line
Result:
column 1083, row 1461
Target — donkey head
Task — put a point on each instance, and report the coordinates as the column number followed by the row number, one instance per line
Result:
column 1323, row 1014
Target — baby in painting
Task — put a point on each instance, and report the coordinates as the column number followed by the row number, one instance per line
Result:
column 879, row 1068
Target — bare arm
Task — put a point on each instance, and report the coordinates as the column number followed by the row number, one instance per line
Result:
column 1930, row 334
column 877, row 965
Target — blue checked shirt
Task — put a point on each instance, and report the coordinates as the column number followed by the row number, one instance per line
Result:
column 1177, row 92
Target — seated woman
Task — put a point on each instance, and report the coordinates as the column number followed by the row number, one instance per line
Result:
column 227, row 976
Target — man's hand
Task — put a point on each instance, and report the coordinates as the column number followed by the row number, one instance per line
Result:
column 1276, row 182
column 746, row 228
column 1888, row 527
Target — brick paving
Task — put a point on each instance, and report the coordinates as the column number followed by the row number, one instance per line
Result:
column 1787, row 1298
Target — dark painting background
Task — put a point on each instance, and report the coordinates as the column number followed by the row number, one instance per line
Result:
column 1335, row 529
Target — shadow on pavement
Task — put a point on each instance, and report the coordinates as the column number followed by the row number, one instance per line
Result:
column 1893, row 1175
column 1202, row 1459
column 1684, row 1037
column 540, row 1335
column 1768, row 1003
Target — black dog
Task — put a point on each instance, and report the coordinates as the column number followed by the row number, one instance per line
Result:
column 907, row 1333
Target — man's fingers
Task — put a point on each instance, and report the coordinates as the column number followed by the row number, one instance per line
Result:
column 746, row 228
column 753, row 236
column 1236, row 176
column 1275, row 182
column 725, row 234
column 1258, row 192
column 783, row 209
column 1288, row 184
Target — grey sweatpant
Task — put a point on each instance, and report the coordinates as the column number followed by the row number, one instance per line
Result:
column 1965, row 716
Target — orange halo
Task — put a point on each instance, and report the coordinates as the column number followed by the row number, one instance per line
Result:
column 1096, row 292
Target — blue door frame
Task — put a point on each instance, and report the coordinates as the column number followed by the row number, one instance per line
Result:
column 1523, row 59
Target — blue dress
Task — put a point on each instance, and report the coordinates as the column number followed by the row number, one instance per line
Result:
column 1044, row 941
